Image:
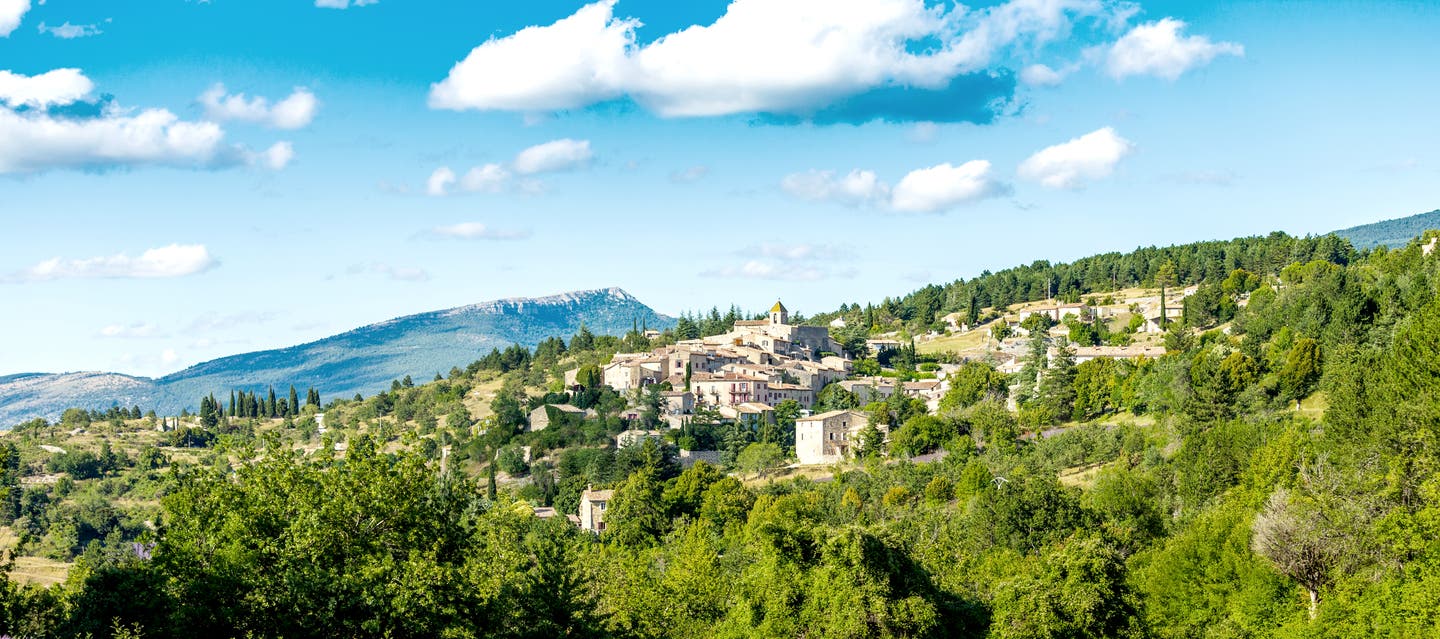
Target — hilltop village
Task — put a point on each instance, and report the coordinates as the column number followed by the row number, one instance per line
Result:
column 770, row 370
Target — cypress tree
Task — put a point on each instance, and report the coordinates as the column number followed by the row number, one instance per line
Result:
column 492, row 492
column 294, row 404
column 271, row 407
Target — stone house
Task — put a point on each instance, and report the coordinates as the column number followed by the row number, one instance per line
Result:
column 543, row 416
column 870, row 389
column 827, row 438
column 593, row 504
column 679, row 402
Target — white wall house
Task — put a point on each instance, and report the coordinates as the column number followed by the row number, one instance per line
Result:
column 827, row 438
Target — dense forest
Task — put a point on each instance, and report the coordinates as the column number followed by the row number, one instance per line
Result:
column 1189, row 264
column 1391, row 233
column 1272, row 475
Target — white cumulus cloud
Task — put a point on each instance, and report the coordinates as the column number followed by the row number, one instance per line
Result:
column 574, row 62
column 440, row 181
column 175, row 260
column 35, row 142
column 52, row 88
column 276, row 157
column 11, row 11
column 945, row 186
column 1072, row 164
column 294, row 112
column 1039, row 75
column 36, row 138
column 796, row 57
column 928, row 190
column 1160, row 49
column 555, row 155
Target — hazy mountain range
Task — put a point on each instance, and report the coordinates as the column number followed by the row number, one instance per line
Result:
column 364, row 360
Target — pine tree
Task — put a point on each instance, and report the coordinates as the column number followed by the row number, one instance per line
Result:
column 1035, row 364
column 1057, row 390
column 584, row 340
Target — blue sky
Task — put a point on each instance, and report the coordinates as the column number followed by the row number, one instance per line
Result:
column 185, row 180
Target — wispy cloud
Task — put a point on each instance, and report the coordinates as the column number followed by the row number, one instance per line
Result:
column 294, row 112
column 929, row 190
column 175, row 260
column 798, row 252
column 343, row 4
column 137, row 330
column 555, row 156
column 692, row 174
column 398, row 273
column 69, row 31
column 787, row 271
column 475, row 231
column 1204, row 178
column 213, row 322
column 801, row 262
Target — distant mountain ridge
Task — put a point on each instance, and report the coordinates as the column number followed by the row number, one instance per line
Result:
column 363, row 360
column 1393, row 234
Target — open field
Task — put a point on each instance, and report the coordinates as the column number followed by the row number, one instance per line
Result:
column 1081, row 476
column 972, row 341
column 1313, row 406
column 32, row 570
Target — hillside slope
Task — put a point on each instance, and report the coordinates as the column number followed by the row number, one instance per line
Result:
column 363, row 360
column 1394, row 233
